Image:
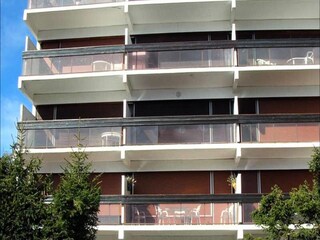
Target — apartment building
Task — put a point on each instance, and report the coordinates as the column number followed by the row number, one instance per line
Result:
column 190, row 109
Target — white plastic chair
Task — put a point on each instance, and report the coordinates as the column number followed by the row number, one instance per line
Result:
column 195, row 214
column 99, row 66
column 228, row 215
column 309, row 58
column 161, row 215
column 181, row 215
column 262, row 62
column 111, row 139
column 139, row 215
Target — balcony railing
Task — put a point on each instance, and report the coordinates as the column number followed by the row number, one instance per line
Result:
column 169, row 130
column 179, row 209
column 73, row 64
column 143, row 135
column 204, row 54
column 278, row 56
column 280, row 132
column 181, row 134
column 180, row 59
column 63, row 3
column 61, row 138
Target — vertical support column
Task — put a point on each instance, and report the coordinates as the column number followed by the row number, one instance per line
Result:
column 233, row 32
column 121, row 234
column 233, row 4
column 38, row 46
column 127, row 41
column 34, row 110
column 123, row 214
column 125, row 109
column 236, row 112
column 238, row 184
column 240, row 234
column 239, row 191
column 235, row 106
column 127, row 15
column 123, row 185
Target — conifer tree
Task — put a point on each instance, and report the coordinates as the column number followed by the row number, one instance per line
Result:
column 76, row 201
column 22, row 194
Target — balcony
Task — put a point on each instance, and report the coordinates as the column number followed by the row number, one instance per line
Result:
column 139, row 142
column 180, row 68
column 182, row 210
column 33, row 4
column 50, row 18
column 54, row 71
column 210, row 214
column 278, row 66
column 165, row 139
column 170, row 66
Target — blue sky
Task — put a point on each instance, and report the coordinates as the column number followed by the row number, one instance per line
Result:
column 13, row 33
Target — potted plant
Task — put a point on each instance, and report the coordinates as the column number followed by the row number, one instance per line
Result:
column 232, row 180
column 130, row 183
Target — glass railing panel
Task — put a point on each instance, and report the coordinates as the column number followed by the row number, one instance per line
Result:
column 180, row 59
column 62, row 138
column 109, row 214
column 180, row 134
column 185, row 213
column 64, row 3
column 278, row 56
column 73, row 64
column 280, row 132
column 170, row 214
column 247, row 210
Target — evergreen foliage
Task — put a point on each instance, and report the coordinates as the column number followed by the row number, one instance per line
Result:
column 76, row 201
column 22, row 194
column 25, row 211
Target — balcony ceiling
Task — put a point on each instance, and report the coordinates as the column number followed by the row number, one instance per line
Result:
column 71, row 83
column 186, row 78
column 170, row 16
column 279, row 77
column 277, row 150
column 277, row 9
column 197, row 11
column 277, row 14
column 53, row 22
column 183, row 152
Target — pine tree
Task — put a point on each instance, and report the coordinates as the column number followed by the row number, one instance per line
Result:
column 22, row 194
column 76, row 201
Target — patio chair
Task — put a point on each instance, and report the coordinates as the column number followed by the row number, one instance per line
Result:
column 228, row 215
column 161, row 214
column 308, row 59
column 262, row 62
column 181, row 215
column 99, row 66
column 111, row 139
column 139, row 216
column 195, row 214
